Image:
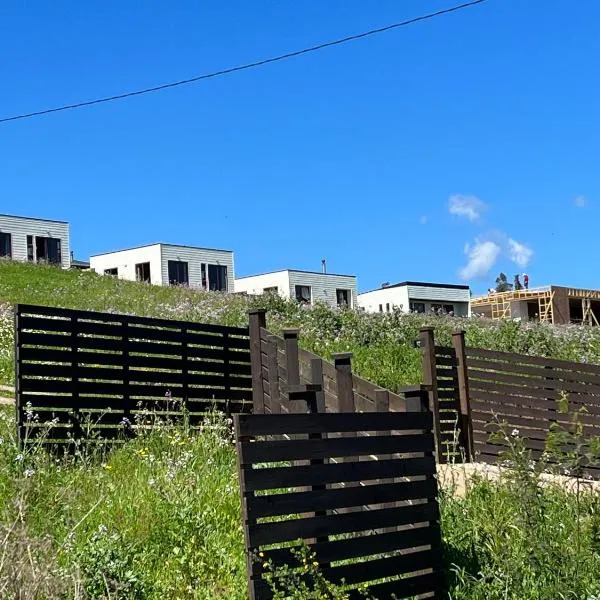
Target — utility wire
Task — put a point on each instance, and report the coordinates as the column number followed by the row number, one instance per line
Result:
column 244, row 67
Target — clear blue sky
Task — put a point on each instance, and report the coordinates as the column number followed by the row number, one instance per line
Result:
column 352, row 153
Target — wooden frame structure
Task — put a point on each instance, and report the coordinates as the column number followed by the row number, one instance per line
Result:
column 100, row 376
column 371, row 515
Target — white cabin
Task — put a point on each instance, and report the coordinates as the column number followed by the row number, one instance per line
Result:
column 170, row 264
column 35, row 240
column 307, row 287
column 414, row 296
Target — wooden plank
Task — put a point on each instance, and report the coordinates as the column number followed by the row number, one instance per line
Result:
column 465, row 424
column 407, row 587
column 530, row 382
column 525, row 359
column 361, row 546
column 429, row 354
column 254, row 425
column 382, row 568
column 296, row 476
column 335, row 447
column 257, row 322
column 32, row 310
column 533, row 372
column 300, row 502
column 287, row 531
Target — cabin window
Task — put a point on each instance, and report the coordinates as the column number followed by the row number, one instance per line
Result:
column 30, row 256
column 142, row 272
column 178, row 272
column 47, row 249
column 271, row 290
column 418, row 307
column 203, row 275
column 343, row 297
column 449, row 308
column 217, row 278
column 5, row 245
column 113, row 272
column 381, row 308
column 303, row 294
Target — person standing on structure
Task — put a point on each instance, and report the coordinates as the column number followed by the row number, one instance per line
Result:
column 526, row 281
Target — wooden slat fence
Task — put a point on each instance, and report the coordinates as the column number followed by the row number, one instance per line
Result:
column 82, row 374
column 483, row 389
column 293, row 489
column 281, row 363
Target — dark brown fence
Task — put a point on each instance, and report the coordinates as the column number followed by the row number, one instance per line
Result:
column 366, row 505
column 485, row 389
column 83, row 374
column 278, row 363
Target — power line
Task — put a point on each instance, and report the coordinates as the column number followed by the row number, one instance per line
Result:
column 244, row 67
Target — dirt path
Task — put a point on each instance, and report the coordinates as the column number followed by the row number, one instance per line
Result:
column 457, row 476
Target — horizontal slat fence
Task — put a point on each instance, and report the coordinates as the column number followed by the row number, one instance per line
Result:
column 283, row 363
column 82, row 374
column 524, row 392
column 310, row 476
column 480, row 390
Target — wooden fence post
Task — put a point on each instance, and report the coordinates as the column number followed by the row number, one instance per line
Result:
column 292, row 363
column 345, row 386
column 430, row 381
column 466, row 424
column 18, row 391
column 273, row 369
column 257, row 321
column 316, row 370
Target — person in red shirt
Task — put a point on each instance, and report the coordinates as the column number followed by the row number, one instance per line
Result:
column 526, row 281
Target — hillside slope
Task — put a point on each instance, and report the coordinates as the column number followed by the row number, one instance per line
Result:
column 381, row 343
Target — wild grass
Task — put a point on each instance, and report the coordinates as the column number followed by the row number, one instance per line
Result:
column 159, row 517
column 381, row 343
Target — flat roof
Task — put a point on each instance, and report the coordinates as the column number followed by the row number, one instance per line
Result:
column 34, row 219
column 295, row 271
column 450, row 286
column 160, row 244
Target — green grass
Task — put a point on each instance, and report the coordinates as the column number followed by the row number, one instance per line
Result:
column 381, row 343
column 159, row 517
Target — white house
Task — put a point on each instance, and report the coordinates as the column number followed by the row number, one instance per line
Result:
column 169, row 264
column 419, row 297
column 35, row 240
column 305, row 286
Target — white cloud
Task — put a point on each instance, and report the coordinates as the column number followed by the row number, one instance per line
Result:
column 519, row 253
column 482, row 256
column 580, row 201
column 469, row 207
column 423, row 220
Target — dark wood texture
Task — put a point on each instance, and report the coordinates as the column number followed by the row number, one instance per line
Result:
column 492, row 390
column 388, row 522
column 102, row 376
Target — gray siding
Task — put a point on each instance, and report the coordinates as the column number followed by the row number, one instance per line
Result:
column 323, row 286
column 20, row 227
column 438, row 294
column 195, row 257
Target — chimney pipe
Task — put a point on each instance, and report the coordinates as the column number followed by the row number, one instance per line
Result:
column 71, row 255
column 324, row 265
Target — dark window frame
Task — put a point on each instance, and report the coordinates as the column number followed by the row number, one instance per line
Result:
column 48, row 249
column 274, row 289
column 30, row 252
column 112, row 272
column 301, row 297
column 347, row 297
column 178, row 272
column 416, row 306
column 217, row 278
column 142, row 272
column 5, row 244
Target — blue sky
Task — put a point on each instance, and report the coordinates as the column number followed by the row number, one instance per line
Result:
column 452, row 148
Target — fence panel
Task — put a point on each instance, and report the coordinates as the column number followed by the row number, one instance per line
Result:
column 100, row 375
column 523, row 393
column 396, row 541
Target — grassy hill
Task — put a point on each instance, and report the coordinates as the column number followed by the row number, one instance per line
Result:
column 159, row 517
column 381, row 343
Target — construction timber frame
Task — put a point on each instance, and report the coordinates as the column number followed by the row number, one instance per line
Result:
column 555, row 304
